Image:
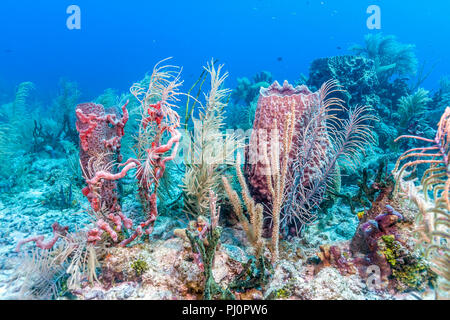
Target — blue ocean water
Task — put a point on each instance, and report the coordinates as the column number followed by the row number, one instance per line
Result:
column 119, row 41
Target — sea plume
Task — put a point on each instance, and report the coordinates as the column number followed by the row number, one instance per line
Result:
column 390, row 56
column 211, row 151
column 322, row 141
column 431, row 196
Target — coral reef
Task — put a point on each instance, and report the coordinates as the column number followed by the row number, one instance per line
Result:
column 157, row 99
column 356, row 74
column 247, row 90
column 204, row 243
column 243, row 104
column 274, row 103
column 142, row 209
column 411, row 272
column 15, row 119
column 431, row 196
column 100, row 134
column 253, row 229
column 390, row 56
column 308, row 157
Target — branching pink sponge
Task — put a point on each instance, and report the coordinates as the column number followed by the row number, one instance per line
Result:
column 100, row 135
column 151, row 168
column 58, row 231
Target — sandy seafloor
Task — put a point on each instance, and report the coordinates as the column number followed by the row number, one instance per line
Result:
column 172, row 273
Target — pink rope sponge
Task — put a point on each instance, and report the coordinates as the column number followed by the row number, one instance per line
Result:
column 148, row 183
column 100, row 132
column 58, row 231
column 152, row 167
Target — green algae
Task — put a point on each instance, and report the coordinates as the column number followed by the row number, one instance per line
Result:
column 409, row 271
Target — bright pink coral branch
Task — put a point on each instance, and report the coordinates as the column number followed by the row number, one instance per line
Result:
column 96, row 122
column 94, row 235
column 103, row 179
column 158, row 163
column 85, row 134
column 173, row 142
column 136, row 234
column 58, row 231
column 106, row 227
column 111, row 176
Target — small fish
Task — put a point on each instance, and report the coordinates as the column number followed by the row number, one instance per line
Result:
column 360, row 214
column 338, row 47
column 279, row 59
column 8, row 51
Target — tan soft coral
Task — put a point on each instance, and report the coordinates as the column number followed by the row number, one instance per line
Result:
column 432, row 220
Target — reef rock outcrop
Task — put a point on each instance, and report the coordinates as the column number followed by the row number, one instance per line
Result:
column 356, row 74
